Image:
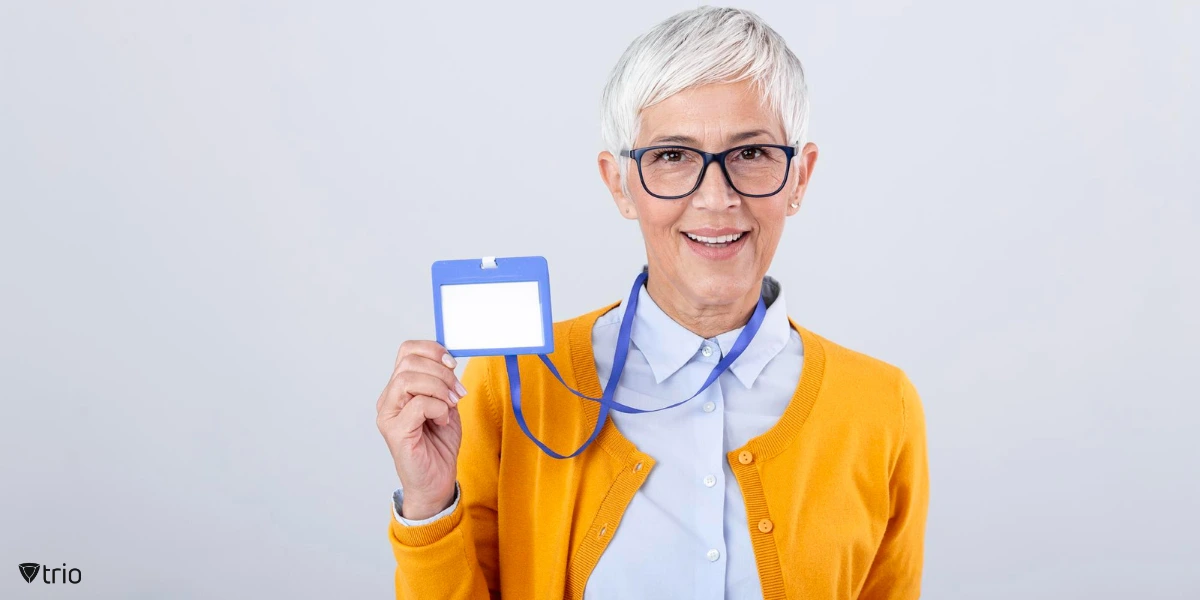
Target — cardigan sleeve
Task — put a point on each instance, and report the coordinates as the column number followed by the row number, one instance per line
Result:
column 896, row 570
column 456, row 557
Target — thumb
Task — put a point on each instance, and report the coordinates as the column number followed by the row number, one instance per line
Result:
column 421, row 409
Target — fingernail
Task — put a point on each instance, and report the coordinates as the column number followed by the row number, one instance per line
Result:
column 462, row 391
column 453, row 397
column 449, row 361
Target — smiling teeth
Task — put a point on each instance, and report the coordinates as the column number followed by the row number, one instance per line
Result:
column 721, row 239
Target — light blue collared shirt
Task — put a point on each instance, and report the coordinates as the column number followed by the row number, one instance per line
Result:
column 685, row 533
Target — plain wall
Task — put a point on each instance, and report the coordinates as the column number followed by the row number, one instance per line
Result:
column 218, row 219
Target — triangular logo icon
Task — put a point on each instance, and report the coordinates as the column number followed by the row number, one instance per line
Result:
column 29, row 571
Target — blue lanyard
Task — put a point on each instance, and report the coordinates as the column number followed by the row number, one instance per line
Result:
column 606, row 399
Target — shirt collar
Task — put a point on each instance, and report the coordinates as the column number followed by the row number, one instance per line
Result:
column 668, row 346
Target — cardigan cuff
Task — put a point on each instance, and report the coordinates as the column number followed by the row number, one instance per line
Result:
column 431, row 530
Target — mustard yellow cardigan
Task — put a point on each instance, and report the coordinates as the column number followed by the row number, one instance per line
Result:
column 836, row 492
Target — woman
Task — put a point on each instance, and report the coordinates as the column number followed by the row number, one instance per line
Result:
column 799, row 473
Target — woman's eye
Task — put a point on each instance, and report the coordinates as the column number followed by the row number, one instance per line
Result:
column 750, row 153
column 669, row 155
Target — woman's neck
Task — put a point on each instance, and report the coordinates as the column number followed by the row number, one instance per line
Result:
column 707, row 320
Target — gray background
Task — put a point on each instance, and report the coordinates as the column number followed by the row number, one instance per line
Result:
column 218, row 221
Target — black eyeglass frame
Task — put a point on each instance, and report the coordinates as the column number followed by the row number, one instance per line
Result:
column 709, row 158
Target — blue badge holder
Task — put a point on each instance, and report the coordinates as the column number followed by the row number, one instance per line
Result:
column 490, row 269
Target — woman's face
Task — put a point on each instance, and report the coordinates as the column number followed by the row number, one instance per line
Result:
column 685, row 272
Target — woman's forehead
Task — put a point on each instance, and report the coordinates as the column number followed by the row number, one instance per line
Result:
column 725, row 112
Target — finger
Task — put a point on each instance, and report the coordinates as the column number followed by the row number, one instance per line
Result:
column 444, row 420
column 427, row 348
column 392, row 399
column 421, row 409
column 423, row 384
column 395, row 395
column 421, row 364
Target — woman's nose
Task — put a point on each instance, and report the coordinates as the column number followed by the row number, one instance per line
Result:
column 715, row 192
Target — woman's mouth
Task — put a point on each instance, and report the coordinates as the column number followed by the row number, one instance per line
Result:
column 715, row 242
column 716, row 247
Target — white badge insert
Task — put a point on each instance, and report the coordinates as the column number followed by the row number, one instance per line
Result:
column 492, row 315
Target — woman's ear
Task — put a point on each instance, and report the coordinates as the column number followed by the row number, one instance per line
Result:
column 610, row 173
column 804, row 163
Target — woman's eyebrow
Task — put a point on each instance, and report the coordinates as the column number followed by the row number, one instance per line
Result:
column 746, row 135
column 674, row 139
column 691, row 141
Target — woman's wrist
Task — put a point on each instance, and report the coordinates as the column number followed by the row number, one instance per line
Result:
column 416, row 509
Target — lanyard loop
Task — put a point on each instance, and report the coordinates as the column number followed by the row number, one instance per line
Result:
column 622, row 353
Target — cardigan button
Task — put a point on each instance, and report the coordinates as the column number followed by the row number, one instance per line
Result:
column 637, row 467
column 745, row 457
column 765, row 526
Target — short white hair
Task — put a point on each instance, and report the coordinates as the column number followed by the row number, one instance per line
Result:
column 698, row 47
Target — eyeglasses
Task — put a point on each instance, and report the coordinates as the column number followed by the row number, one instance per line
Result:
column 672, row 172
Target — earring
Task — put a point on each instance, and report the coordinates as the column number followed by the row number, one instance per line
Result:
column 794, row 205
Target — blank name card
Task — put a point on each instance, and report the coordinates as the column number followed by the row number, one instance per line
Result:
column 492, row 315
column 493, row 306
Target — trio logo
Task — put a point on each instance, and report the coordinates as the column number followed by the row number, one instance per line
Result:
column 30, row 572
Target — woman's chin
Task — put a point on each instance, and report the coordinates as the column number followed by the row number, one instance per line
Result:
column 721, row 289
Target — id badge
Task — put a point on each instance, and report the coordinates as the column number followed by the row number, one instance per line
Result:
column 493, row 306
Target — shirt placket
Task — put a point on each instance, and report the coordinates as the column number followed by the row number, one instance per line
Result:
column 711, row 480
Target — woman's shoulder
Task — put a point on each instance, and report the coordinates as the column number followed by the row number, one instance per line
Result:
column 577, row 330
column 856, row 372
column 856, row 360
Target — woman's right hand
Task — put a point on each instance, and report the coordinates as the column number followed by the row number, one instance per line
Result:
column 418, row 416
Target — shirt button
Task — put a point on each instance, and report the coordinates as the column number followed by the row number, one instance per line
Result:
column 710, row 481
column 709, row 407
column 745, row 457
column 706, row 350
column 765, row 525
column 713, row 555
